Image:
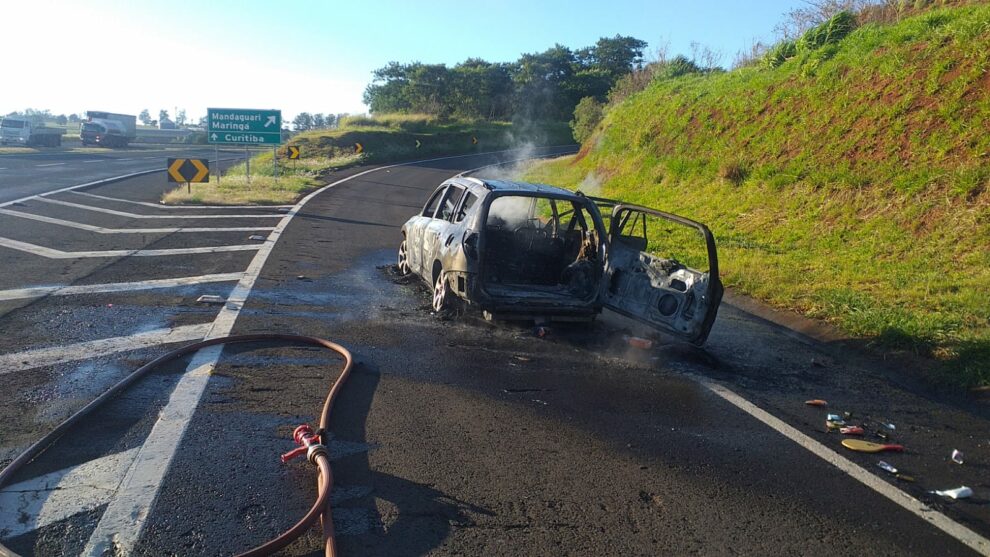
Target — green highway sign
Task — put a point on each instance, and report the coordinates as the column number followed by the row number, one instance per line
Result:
column 243, row 126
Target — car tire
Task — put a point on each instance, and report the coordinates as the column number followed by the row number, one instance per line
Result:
column 441, row 294
column 402, row 262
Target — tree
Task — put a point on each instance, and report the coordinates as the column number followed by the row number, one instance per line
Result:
column 145, row 117
column 303, row 121
column 180, row 117
column 587, row 116
column 73, row 118
column 319, row 122
column 162, row 115
column 61, row 120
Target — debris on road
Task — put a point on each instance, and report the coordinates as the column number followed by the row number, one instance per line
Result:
column 256, row 237
column 868, row 447
column 816, row 402
column 852, row 430
column 891, row 427
column 639, row 342
column 887, row 467
column 211, row 299
column 541, row 332
column 957, row 456
column 962, row 492
column 904, row 478
column 834, row 421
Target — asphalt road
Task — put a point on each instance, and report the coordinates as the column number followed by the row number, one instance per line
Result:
column 27, row 174
column 453, row 436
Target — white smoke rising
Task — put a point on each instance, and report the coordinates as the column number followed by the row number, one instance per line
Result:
column 522, row 159
column 591, row 185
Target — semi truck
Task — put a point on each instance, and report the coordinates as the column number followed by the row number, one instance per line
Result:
column 108, row 129
column 22, row 131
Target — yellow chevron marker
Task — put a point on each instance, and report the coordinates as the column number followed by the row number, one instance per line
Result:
column 175, row 170
column 474, row 140
column 418, row 144
column 293, row 152
column 202, row 171
column 358, row 148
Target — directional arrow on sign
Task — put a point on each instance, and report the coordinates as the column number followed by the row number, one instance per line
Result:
column 293, row 152
column 202, row 171
column 474, row 140
column 175, row 170
column 418, row 144
column 270, row 122
column 213, row 137
column 358, row 148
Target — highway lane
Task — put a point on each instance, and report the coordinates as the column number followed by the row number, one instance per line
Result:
column 456, row 436
column 27, row 174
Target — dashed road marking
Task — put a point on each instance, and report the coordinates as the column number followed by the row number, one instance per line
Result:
column 39, row 357
column 51, row 253
column 137, row 216
column 102, row 230
column 92, row 161
column 49, row 164
column 39, row 291
column 56, row 496
column 905, row 501
column 160, row 206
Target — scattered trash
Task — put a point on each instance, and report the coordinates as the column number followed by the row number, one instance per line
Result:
column 852, row 430
column 882, row 435
column 541, row 332
column 957, row 493
column 111, row 305
column 891, row 427
column 834, row 421
column 887, row 467
column 302, row 277
column 523, row 358
column 638, row 342
column 211, row 299
column 867, row 447
column 833, row 418
column 256, row 237
column 904, row 478
column 816, row 402
column 543, row 402
column 957, row 456
column 847, row 415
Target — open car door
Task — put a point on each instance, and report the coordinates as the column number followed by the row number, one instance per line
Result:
column 662, row 269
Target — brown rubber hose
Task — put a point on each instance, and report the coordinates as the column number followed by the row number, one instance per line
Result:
column 320, row 508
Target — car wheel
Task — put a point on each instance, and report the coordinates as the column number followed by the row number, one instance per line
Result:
column 403, row 260
column 441, row 294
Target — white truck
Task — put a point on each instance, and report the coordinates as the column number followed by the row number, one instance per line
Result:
column 22, row 131
column 108, row 129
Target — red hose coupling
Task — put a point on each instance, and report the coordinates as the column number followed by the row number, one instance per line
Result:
column 309, row 444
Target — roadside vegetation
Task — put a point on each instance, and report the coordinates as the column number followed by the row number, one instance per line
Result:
column 263, row 188
column 844, row 171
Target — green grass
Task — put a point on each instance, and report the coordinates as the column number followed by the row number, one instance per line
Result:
column 263, row 188
column 853, row 187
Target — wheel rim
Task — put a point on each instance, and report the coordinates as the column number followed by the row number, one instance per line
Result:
column 440, row 294
column 403, row 259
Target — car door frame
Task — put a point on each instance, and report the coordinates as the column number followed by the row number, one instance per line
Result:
column 417, row 230
column 714, row 292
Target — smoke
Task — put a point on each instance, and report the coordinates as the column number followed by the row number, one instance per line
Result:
column 591, row 185
column 511, row 212
column 522, row 158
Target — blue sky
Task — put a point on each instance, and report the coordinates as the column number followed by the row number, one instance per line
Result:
column 318, row 56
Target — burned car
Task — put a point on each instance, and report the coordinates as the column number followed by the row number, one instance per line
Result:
column 529, row 251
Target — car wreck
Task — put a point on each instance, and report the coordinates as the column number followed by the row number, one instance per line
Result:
column 529, row 251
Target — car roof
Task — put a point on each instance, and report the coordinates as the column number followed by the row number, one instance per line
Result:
column 510, row 186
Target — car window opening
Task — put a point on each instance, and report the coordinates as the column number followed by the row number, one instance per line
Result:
column 541, row 246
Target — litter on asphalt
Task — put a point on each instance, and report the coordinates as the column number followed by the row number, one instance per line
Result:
column 638, row 342
column 958, row 493
column 256, row 238
column 211, row 299
column 852, row 430
column 816, row 402
column 887, row 467
column 957, row 456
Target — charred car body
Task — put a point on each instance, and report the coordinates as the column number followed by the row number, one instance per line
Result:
column 524, row 251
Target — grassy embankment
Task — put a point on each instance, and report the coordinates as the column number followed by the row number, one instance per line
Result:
column 385, row 138
column 851, row 184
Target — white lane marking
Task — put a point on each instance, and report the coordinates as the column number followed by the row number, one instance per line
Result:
column 137, row 216
column 59, row 254
column 102, row 230
column 160, row 206
column 92, row 161
column 124, row 518
column 50, row 164
column 55, row 496
column 124, row 160
column 905, row 501
column 39, row 291
column 4, row 168
column 91, row 184
column 38, row 357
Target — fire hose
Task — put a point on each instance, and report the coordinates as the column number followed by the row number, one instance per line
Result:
column 312, row 444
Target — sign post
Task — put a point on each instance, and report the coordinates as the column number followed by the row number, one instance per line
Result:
column 244, row 126
column 188, row 171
